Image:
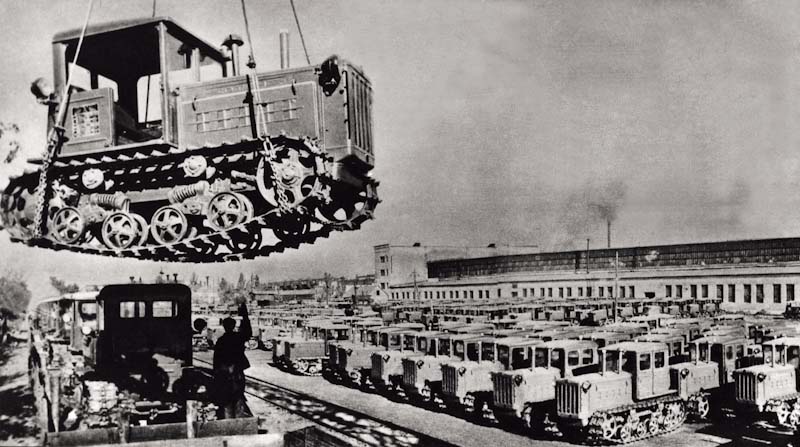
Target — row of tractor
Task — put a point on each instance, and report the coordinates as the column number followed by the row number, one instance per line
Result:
column 639, row 377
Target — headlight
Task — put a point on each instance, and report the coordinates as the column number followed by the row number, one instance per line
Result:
column 420, row 363
column 86, row 329
column 518, row 379
column 461, row 371
column 684, row 372
column 761, row 377
column 585, row 386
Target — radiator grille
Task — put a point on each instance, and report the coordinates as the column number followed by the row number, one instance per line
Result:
column 359, row 108
column 449, row 380
column 745, row 387
column 503, row 390
column 409, row 373
column 567, row 394
column 377, row 367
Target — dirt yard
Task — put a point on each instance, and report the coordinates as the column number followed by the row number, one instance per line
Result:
column 17, row 412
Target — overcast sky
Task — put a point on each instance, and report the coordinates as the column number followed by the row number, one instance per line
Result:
column 520, row 122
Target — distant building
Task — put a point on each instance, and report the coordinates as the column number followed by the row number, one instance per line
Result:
column 753, row 275
column 401, row 264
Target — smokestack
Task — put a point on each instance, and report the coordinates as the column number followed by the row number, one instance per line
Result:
column 608, row 226
column 232, row 43
column 284, row 41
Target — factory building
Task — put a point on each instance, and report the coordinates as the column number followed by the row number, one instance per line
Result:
column 751, row 275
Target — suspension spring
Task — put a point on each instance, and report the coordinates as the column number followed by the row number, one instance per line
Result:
column 180, row 193
column 116, row 201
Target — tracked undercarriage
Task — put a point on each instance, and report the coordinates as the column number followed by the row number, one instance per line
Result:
column 238, row 201
column 636, row 421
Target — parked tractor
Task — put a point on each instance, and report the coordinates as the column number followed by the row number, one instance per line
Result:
column 386, row 372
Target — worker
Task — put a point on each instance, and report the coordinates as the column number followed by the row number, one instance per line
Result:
column 229, row 366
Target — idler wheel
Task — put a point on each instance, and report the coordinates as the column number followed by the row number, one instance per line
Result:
column 121, row 230
column 245, row 242
column 293, row 227
column 169, row 225
column 68, row 225
column 228, row 209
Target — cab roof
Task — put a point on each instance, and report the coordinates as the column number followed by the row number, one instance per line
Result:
column 793, row 341
column 133, row 24
column 578, row 344
column 637, row 346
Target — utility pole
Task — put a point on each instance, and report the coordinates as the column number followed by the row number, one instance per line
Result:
column 414, row 274
column 616, row 283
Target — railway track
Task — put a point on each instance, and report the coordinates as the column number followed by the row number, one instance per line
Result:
column 362, row 428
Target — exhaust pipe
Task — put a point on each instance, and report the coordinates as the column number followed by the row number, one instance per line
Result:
column 232, row 43
column 284, row 44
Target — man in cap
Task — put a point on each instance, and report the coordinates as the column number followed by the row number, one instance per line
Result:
column 229, row 365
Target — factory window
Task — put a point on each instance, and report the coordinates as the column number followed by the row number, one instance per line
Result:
column 437, row 294
column 789, row 292
column 776, row 293
column 731, row 293
column 383, row 272
column 514, row 285
column 561, row 292
column 550, row 292
column 580, row 291
column 601, row 291
column 678, row 291
column 569, row 292
column 456, row 294
column 589, row 291
column 532, row 292
column 472, row 294
column 610, row 291
column 541, row 292
column 480, row 293
column 622, row 292
column 632, row 291
column 513, row 294
column 720, row 292
column 747, row 293
column 693, row 290
column 383, row 258
column 669, row 291
column 524, row 293
column 759, row 293
column 383, row 286
column 499, row 294
column 704, row 290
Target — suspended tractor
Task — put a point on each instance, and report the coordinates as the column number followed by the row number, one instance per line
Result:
column 770, row 391
column 526, row 397
column 116, row 366
column 161, row 149
column 386, row 365
column 467, row 385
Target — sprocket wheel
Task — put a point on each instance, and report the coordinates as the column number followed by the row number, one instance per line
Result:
column 120, row 230
column 609, row 427
column 68, row 225
column 290, row 179
column 169, row 225
column 349, row 207
column 228, row 209
column 292, row 228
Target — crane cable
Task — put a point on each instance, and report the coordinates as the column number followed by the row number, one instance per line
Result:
column 251, row 63
column 300, row 31
column 55, row 138
column 149, row 77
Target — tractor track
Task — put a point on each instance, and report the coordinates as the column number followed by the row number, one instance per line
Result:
column 360, row 427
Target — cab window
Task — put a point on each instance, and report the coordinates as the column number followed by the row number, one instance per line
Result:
column 487, row 352
column 131, row 309
column 676, row 348
column 556, row 358
column 793, row 356
column 587, row 357
column 422, row 344
column 502, row 355
column 458, row 349
column 540, row 360
column 767, row 354
column 444, row 347
column 611, row 359
column 693, row 352
column 644, row 361
column 165, row 309
column 573, row 358
column 394, row 340
column 88, row 311
column 739, row 351
column 408, row 342
column 729, row 352
column 519, row 359
column 472, row 352
column 658, row 359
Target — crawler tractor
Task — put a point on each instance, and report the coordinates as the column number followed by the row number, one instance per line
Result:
column 526, row 397
column 354, row 361
column 115, row 366
column 164, row 150
column 309, row 355
column 363, row 334
column 386, row 372
column 422, row 374
column 770, row 390
column 636, row 394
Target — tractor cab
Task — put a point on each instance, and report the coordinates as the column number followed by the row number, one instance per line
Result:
column 792, row 310
column 729, row 353
column 123, row 82
column 566, row 357
column 646, row 362
column 675, row 342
